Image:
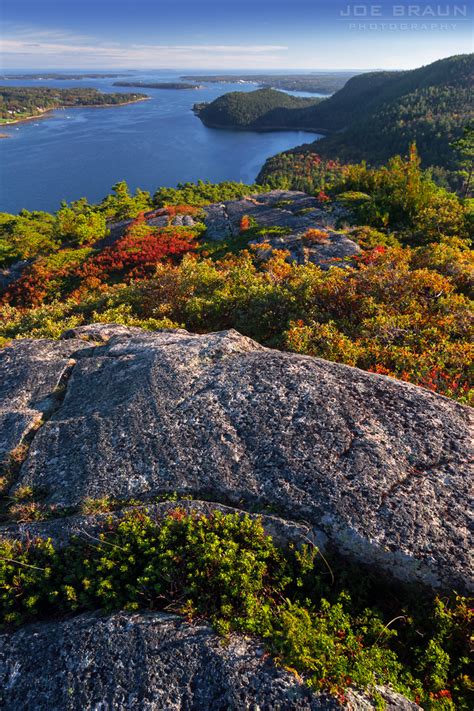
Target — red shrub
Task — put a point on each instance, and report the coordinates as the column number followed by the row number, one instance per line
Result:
column 137, row 255
column 133, row 256
column 371, row 256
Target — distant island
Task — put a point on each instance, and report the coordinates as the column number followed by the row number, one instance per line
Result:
column 159, row 85
column 53, row 76
column 24, row 103
column 321, row 83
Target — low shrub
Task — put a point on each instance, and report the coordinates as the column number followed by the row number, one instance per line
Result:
column 313, row 236
column 346, row 628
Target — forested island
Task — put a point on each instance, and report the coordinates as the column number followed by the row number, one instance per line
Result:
column 22, row 103
column 159, row 85
column 315, row 83
column 373, row 117
column 260, row 110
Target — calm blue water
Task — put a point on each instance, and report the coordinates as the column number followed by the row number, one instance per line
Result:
column 83, row 152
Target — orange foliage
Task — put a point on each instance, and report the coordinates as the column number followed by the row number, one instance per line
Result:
column 245, row 223
column 173, row 210
column 313, row 236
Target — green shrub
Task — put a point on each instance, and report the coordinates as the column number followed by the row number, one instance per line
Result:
column 403, row 197
column 334, row 648
column 204, row 193
column 28, row 580
column 346, row 628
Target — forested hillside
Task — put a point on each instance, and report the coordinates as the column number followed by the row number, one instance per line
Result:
column 258, row 110
column 383, row 113
column 315, row 82
column 373, row 117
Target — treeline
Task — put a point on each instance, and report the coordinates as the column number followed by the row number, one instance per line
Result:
column 32, row 234
column 303, row 168
column 23, row 102
column 158, row 85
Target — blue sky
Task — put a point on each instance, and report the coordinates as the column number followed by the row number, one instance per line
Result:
column 231, row 34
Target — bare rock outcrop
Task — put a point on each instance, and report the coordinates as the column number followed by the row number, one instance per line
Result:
column 379, row 466
column 151, row 662
column 295, row 211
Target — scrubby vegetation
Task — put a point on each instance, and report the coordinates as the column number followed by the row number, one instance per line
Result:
column 402, row 308
column 307, row 172
column 334, row 624
column 37, row 234
column 24, row 102
column 203, row 193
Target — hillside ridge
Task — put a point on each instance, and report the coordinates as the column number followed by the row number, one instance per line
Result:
column 373, row 117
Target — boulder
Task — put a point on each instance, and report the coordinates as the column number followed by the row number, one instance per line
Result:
column 378, row 466
column 293, row 210
column 217, row 222
column 10, row 274
column 285, row 208
column 334, row 249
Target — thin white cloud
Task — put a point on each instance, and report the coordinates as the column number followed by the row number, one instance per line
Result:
column 51, row 47
column 38, row 34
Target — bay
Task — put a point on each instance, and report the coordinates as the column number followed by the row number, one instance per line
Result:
column 81, row 152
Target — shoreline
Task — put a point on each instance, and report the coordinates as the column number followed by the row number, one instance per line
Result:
column 265, row 85
column 45, row 113
column 159, row 85
column 263, row 129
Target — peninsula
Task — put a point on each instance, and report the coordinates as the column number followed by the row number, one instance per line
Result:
column 260, row 110
column 23, row 103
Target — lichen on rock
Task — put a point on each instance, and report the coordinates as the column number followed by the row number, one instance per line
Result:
column 379, row 466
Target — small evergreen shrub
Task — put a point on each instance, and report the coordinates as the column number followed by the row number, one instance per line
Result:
column 331, row 623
